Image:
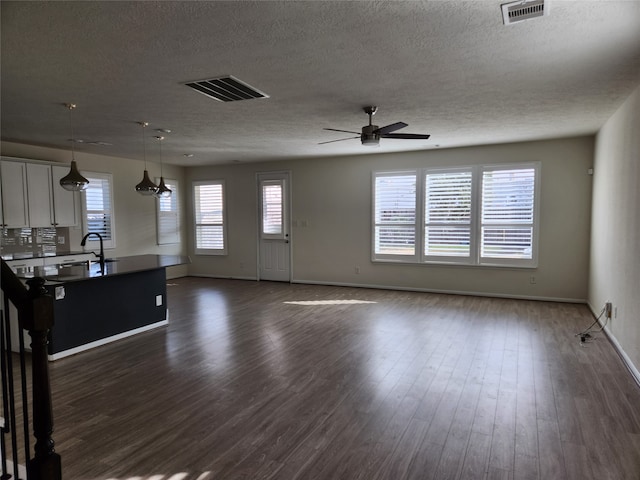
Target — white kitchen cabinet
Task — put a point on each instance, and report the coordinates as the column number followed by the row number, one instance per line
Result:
column 64, row 201
column 39, row 196
column 50, row 205
column 14, row 208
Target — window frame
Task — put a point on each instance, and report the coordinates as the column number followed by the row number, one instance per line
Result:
column 171, row 237
column 282, row 234
column 535, row 223
column 210, row 251
column 92, row 242
column 452, row 259
column 387, row 257
column 474, row 258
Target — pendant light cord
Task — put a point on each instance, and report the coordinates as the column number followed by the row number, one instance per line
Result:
column 160, row 138
column 71, row 106
column 144, row 145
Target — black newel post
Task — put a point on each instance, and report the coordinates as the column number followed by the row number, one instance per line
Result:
column 38, row 320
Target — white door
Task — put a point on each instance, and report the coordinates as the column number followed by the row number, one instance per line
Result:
column 274, row 249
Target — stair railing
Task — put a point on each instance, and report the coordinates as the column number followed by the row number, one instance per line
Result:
column 35, row 314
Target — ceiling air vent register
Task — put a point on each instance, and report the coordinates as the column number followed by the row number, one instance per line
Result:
column 226, row 89
column 515, row 12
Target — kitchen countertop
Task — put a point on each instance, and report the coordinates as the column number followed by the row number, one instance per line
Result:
column 92, row 270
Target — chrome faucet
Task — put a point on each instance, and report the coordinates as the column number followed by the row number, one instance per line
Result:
column 83, row 242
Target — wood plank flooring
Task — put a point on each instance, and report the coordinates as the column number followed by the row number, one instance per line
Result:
column 242, row 385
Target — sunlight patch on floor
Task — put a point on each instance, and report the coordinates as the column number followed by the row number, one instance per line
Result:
column 175, row 476
column 328, row 302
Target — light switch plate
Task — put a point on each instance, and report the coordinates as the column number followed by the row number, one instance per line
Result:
column 158, row 300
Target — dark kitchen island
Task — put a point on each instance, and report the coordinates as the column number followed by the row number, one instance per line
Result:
column 96, row 304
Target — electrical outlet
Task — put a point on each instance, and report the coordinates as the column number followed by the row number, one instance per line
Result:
column 532, row 280
column 357, row 270
column 158, row 300
column 60, row 293
column 608, row 307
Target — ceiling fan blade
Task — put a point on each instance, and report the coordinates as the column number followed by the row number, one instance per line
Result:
column 406, row 136
column 390, row 128
column 345, row 131
column 339, row 140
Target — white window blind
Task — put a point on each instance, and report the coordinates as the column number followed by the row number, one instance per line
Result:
column 272, row 208
column 209, row 218
column 98, row 208
column 508, row 201
column 476, row 215
column 447, row 231
column 167, row 215
column 395, row 214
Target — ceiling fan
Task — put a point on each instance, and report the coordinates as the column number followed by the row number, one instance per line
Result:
column 371, row 134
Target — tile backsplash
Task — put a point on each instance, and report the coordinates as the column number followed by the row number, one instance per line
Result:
column 35, row 240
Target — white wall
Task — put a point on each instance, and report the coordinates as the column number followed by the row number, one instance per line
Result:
column 615, row 243
column 333, row 195
column 135, row 215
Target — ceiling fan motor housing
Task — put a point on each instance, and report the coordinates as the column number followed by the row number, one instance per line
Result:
column 368, row 136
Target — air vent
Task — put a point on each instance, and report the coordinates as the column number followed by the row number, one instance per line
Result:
column 520, row 11
column 226, row 89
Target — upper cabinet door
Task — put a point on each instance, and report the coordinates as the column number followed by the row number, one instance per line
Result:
column 64, row 201
column 39, row 195
column 14, row 195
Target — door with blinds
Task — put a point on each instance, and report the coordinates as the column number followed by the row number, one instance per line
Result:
column 274, row 243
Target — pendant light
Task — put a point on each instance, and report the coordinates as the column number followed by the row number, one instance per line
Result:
column 146, row 186
column 163, row 190
column 73, row 181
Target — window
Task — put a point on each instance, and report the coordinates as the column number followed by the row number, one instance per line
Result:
column 167, row 215
column 272, row 209
column 97, row 201
column 485, row 215
column 395, row 215
column 507, row 214
column 209, row 205
column 447, row 229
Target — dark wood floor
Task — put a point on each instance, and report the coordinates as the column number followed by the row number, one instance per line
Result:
column 242, row 385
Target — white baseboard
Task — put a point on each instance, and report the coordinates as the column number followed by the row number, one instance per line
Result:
column 222, row 277
column 633, row 370
column 104, row 341
column 22, row 471
column 446, row 292
column 409, row 289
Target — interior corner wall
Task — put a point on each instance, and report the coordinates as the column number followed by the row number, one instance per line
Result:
column 331, row 206
column 135, row 215
column 615, row 241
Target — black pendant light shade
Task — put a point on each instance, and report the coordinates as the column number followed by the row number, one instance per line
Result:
column 73, row 181
column 146, row 186
column 163, row 190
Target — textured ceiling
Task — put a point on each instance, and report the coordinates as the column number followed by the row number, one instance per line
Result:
column 447, row 68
